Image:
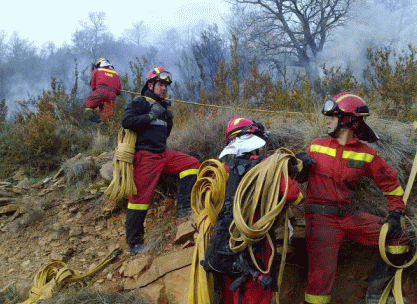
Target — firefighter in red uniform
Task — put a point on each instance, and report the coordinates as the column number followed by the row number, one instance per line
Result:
column 150, row 117
column 340, row 161
column 105, row 83
column 245, row 139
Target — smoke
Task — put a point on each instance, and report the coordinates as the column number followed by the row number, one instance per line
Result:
column 373, row 23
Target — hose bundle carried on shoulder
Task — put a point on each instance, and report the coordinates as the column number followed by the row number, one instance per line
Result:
column 207, row 199
column 260, row 192
column 122, row 185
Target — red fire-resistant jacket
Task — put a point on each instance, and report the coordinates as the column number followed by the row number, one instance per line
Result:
column 104, row 77
column 339, row 167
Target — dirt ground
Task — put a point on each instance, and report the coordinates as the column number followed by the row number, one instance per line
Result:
column 82, row 232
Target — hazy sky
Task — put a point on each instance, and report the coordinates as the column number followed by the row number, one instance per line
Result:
column 46, row 20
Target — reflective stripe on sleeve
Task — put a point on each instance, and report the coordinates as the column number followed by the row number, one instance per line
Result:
column 188, row 172
column 299, row 199
column 397, row 249
column 317, row 299
column 138, row 206
column 323, row 150
column 399, row 191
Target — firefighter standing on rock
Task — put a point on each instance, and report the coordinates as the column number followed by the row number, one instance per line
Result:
column 151, row 118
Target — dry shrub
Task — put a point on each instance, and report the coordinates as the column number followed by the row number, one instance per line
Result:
column 90, row 296
column 9, row 294
column 80, row 170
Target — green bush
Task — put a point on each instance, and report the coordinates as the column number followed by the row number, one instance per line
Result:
column 392, row 82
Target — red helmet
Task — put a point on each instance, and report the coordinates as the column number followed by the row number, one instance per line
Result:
column 351, row 111
column 240, row 126
column 347, row 103
column 157, row 74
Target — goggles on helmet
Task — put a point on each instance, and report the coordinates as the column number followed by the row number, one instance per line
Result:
column 164, row 76
column 330, row 107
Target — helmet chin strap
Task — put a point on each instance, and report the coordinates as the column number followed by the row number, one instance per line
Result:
column 341, row 124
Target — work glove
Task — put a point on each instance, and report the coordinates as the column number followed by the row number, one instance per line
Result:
column 307, row 164
column 394, row 224
column 156, row 111
column 307, row 160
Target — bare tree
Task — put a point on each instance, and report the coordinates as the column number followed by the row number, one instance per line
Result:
column 294, row 29
column 136, row 33
column 86, row 40
column 208, row 52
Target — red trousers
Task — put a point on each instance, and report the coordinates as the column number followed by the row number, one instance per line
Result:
column 253, row 292
column 148, row 166
column 324, row 235
column 104, row 100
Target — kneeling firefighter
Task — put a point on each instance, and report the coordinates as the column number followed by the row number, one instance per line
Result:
column 248, row 276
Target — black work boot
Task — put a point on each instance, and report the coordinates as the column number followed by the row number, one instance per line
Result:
column 379, row 278
column 184, row 195
column 135, row 230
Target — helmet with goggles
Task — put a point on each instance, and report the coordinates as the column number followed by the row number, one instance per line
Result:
column 239, row 126
column 351, row 111
column 347, row 103
column 157, row 74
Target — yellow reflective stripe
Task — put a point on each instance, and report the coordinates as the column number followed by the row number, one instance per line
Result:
column 107, row 70
column 358, row 156
column 323, row 149
column 157, row 70
column 138, row 206
column 317, row 299
column 397, row 249
column 188, row 172
column 397, row 191
column 299, row 199
column 348, row 95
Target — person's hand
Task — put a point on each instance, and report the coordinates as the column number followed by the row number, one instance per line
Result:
column 394, row 224
column 156, row 111
column 306, row 159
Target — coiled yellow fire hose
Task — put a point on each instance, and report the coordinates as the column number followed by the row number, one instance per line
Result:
column 122, row 185
column 259, row 191
column 260, row 185
column 395, row 285
column 207, row 199
column 55, row 275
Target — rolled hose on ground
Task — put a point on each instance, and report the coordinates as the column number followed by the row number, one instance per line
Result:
column 259, row 188
column 55, row 275
column 122, row 185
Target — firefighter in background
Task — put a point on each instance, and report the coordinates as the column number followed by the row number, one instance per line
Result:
column 105, row 85
column 245, row 140
column 152, row 120
column 340, row 162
